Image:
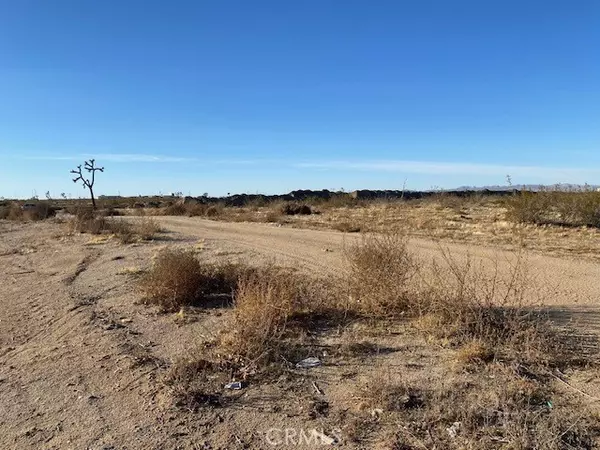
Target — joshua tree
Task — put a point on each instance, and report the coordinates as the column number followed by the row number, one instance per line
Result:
column 87, row 183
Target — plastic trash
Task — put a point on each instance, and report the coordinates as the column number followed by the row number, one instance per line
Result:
column 309, row 363
column 453, row 430
column 235, row 385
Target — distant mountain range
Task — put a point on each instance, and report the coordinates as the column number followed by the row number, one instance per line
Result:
column 528, row 187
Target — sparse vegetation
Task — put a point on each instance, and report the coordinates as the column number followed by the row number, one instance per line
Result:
column 557, row 207
column 28, row 211
column 422, row 354
column 193, row 210
column 86, row 220
column 513, row 347
column 493, row 408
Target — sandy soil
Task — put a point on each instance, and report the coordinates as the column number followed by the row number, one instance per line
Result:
column 81, row 361
column 481, row 222
column 561, row 281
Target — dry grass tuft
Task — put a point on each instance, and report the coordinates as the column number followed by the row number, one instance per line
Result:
column 455, row 301
column 147, row 228
column 475, row 352
column 196, row 384
column 387, row 391
column 274, row 309
column 380, row 271
column 264, row 302
column 480, row 306
column 496, row 406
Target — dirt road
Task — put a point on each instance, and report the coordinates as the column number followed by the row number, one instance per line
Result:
column 573, row 282
column 569, row 287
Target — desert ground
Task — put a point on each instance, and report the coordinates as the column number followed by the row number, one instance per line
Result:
column 85, row 363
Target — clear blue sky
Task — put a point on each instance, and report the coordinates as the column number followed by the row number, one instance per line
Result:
column 268, row 96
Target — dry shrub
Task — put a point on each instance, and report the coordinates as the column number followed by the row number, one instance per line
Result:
column 111, row 211
column 347, row 227
column 175, row 280
column 530, row 207
column 294, row 208
column 124, row 231
column 475, row 352
column 571, row 208
column 197, row 383
column 455, row 300
column 482, row 306
column 264, row 302
column 273, row 217
column 273, row 310
column 177, row 209
column 337, row 200
column 146, row 228
column 11, row 211
column 386, row 390
column 380, row 272
column 87, row 220
column 178, row 279
column 193, row 210
column 39, row 211
column 214, row 211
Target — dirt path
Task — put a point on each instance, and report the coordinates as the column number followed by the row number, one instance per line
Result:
column 574, row 283
column 569, row 287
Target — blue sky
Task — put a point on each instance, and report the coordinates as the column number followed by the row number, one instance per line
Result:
column 268, row 96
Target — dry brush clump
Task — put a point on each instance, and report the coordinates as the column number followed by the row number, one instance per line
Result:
column 177, row 279
column 27, row 212
column 86, row 220
column 559, row 207
column 193, row 210
column 274, row 308
column 481, row 307
column 294, row 208
column 264, row 302
column 379, row 276
column 348, row 226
